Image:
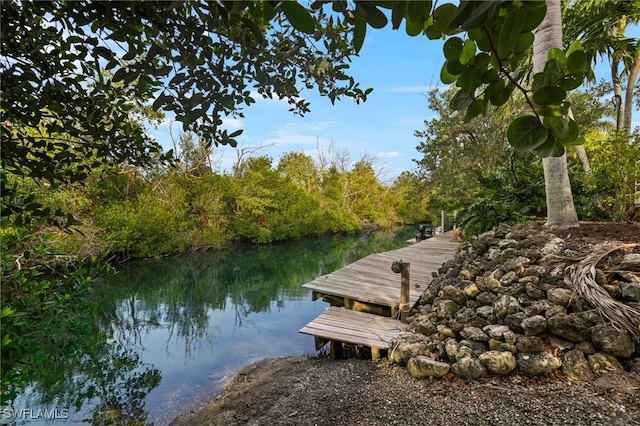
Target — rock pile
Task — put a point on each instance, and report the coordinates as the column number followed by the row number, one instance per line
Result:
column 505, row 304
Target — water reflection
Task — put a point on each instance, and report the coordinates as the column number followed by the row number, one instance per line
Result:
column 170, row 332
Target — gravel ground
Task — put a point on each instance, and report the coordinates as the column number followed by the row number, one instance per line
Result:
column 321, row 391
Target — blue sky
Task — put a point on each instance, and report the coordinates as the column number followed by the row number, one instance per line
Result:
column 400, row 69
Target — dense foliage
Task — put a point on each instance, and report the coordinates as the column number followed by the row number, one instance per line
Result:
column 468, row 168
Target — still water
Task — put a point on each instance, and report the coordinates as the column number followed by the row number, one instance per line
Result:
column 170, row 332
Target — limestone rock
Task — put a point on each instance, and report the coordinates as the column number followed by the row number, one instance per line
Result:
column 630, row 291
column 505, row 305
column 576, row 366
column 400, row 352
column 612, row 341
column 452, row 293
column 602, row 363
column 631, row 259
column 474, row 333
column 496, row 362
column 469, row 368
column 503, row 299
column 422, row 325
column 529, row 344
column 559, row 296
column 423, row 366
column 570, row 327
column 495, row 331
column 537, row 363
column 534, row 325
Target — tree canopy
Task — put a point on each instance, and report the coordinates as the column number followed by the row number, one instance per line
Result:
column 75, row 73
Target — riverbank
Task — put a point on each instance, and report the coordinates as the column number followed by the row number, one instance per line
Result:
column 310, row 390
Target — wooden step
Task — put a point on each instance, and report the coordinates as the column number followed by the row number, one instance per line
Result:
column 353, row 327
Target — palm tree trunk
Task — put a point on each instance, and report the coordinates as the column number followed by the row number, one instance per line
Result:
column 561, row 212
column 582, row 153
column 617, row 92
column 628, row 97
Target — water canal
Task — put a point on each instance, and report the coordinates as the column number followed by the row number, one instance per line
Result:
column 170, row 332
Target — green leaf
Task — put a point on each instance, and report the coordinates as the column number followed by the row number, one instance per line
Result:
column 489, row 76
column 6, row 311
column 443, row 15
column 572, row 133
column 570, row 82
column 474, row 110
column 359, row 31
column 397, row 13
column 455, row 67
column 431, row 32
column 577, row 62
column 558, row 54
column 445, row 76
column 119, row 75
column 525, row 41
column 374, row 16
column 526, row 133
column 414, row 28
column 549, row 95
column 557, row 126
column 418, row 11
column 452, row 48
column 178, row 78
column 6, row 340
column 102, row 51
column 463, row 13
column 536, row 11
column 550, row 148
column 501, row 97
column 484, row 12
column 573, row 47
column 469, row 80
column 298, row 16
column 510, row 31
column 460, row 101
column 236, row 133
column 468, row 52
column 554, row 110
column 576, row 142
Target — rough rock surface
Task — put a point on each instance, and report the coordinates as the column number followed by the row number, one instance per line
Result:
column 505, row 303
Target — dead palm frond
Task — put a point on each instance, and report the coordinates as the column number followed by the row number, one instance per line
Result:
column 583, row 278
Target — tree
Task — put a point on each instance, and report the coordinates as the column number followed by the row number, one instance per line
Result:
column 601, row 26
column 561, row 211
column 487, row 67
column 455, row 152
column 72, row 72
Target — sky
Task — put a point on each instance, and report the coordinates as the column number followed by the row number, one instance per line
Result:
column 400, row 69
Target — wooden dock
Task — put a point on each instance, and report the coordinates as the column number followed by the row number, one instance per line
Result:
column 365, row 295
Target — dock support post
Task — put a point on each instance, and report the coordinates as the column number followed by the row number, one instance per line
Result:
column 404, row 291
column 398, row 266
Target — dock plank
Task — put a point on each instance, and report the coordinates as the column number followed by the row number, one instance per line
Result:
column 371, row 279
column 357, row 328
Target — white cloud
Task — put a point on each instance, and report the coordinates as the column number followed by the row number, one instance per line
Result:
column 391, row 154
column 232, row 123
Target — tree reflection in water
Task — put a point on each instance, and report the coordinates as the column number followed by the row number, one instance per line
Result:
column 170, row 331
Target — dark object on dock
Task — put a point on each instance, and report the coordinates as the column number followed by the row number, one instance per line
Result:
column 424, row 231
